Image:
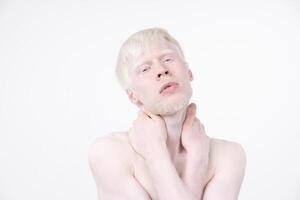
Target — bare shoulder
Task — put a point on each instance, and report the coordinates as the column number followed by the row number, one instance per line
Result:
column 111, row 164
column 112, row 147
column 227, row 153
column 230, row 163
column 220, row 144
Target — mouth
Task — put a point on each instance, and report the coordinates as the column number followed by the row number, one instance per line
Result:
column 168, row 87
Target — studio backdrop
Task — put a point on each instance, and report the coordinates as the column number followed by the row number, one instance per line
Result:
column 58, row 90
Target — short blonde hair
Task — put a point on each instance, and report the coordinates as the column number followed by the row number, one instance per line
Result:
column 135, row 44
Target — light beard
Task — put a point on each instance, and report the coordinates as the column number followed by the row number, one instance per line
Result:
column 171, row 106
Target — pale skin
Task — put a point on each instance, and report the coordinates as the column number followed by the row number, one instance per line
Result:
column 165, row 156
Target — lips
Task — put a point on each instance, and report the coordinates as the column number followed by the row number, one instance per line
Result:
column 168, row 85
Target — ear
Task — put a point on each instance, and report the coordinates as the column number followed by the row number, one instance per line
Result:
column 133, row 98
column 191, row 76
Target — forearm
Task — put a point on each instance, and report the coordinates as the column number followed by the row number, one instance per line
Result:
column 165, row 179
column 194, row 178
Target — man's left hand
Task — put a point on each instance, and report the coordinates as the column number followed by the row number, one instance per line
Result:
column 197, row 144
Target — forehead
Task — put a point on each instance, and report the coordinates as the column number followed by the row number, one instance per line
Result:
column 153, row 50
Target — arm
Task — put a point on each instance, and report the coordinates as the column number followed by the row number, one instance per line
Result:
column 112, row 175
column 148, row 137
column 194, row 177
column 228, row 178
column 230, row 166
column 197, row 146
column 165, row 178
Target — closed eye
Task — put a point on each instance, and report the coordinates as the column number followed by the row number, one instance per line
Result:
column 145, row 69
column 168, row 60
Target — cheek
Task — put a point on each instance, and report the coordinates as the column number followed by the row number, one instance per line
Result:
column 182, row 74
column 142, row 83
column 141, row 90
column 139, row 87
column 146, row 95
column 136, row 83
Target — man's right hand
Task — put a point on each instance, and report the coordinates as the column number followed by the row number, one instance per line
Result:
column 148, row 135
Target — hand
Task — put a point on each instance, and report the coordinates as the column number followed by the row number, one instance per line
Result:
column 148, row 134
column 193, row 136
column 197, row 144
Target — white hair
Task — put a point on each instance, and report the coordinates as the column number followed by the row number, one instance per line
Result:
column 135, row 44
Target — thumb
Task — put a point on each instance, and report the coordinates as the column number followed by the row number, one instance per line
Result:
column 190, row 114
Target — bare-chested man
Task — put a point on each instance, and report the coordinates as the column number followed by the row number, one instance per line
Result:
column 166, row 153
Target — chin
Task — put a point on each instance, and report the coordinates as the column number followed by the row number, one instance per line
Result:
column 171, row 106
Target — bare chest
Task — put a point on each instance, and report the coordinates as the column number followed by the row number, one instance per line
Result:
column 142, row 175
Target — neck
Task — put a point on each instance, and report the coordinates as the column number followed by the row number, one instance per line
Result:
column 174, row 124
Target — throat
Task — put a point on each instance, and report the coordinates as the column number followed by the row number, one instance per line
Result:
column 174, row 125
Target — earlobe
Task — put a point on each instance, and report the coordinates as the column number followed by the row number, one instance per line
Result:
column 130, row 95
column 132, row 98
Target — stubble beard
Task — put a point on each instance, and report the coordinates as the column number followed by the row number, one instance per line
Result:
column 170, row 106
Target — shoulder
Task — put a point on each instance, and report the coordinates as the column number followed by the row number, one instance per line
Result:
column 228, row 154
column 221, row 144
column 117, row 139
column 110, row 162
column 111, row 149
column 230, row 163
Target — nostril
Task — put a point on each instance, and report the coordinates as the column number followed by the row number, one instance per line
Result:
column 159, row 75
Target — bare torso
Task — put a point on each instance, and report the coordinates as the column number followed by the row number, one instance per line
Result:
column 137, row 167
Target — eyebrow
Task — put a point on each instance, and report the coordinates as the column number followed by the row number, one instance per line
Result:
column 162, row 54
column 167, row 51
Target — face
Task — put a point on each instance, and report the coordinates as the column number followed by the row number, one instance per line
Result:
column 160, row 80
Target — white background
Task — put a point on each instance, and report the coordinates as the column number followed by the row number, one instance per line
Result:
column 58, row 91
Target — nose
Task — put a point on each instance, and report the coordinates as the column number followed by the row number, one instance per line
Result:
column 163, row 72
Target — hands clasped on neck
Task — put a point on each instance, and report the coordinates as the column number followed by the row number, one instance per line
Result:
column 148, row 136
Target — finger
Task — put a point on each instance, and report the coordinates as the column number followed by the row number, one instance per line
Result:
column 193, row 109
column 142, row 115
column 201, row 126
column 148, row 113
column 190, row 114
